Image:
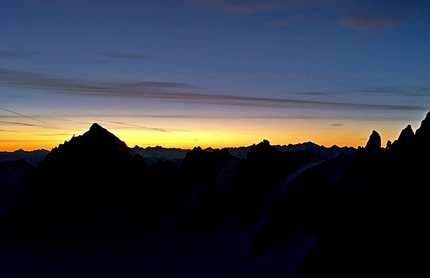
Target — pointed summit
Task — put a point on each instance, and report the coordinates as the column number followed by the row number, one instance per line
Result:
column 97, row 140
column 98, row 130
column 92, row 178
column 96, row 126
column 406, row 135
column 405, row 139
column 374, row 142
column 99, row 135
column 422, row 134
column 96, row 149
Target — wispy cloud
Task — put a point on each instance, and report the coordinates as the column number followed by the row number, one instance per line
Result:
column 17, row 123
column 153, row 84
column 375, row 15
column 48, row 82
column 127, row 55
column 134, row 126
column 101, row 62
column 312, row 93
column 24, row 141
column 6, row 54
column 261, row 6
column 104, row 118
column 24, row 120
column 22, row 115
column 369, row 22
column 278, row 23
column 412, row 91
column 183, row 92
column 52, row 134
column 363, row 15
column 94, row 7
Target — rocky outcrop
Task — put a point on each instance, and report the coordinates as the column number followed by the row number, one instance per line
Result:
column 14, row 178
column 422, row 134
column 405, row 139
column 93, row 178
column 357, row 212
column 376, row 217
column 374, row 142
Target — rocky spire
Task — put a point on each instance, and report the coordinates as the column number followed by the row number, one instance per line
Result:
column 374, row 142
column 422, row 134
column 405, row 139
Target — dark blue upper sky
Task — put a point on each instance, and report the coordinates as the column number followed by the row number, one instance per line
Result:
column 333, row 65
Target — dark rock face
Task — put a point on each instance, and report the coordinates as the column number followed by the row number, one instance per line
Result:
column 96, row 179
column 258, row 176
column 374, row 142
column 199, row 165
column 376, row 219
column 14, row 178
column 406, row 136
column 405, row 139
column 423, row 132
column 92, row 178
column 201, row 204
column 365, row 210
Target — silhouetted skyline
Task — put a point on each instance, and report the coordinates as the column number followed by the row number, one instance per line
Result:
column 212, row 73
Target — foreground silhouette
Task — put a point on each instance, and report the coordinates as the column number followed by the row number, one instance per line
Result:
column 94, row 207
column 377, row 223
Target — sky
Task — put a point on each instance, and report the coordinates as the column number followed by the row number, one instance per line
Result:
column 212, row 73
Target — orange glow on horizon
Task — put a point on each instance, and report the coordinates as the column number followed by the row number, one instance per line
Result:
column 215, row 134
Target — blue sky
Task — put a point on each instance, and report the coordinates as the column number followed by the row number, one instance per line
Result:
column 212, row 72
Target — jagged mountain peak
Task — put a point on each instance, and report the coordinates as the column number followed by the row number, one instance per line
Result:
column 93, row 177
column 96, row 126
column 374, row 142
column 96, row 137
column 97, row 132
column 406, row 133
column 406, row 138
column 422, row 134
column 95, row 144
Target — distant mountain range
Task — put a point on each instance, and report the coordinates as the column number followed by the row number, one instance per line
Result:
column 153, row 154
column 34, row 157
column 95, row 207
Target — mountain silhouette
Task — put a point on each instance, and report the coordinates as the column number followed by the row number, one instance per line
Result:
column 374, row 142
column 288, row 211
column 33, row 157
column 405, row 139
column 93, row 178
column 376, row 222
column 14, row 177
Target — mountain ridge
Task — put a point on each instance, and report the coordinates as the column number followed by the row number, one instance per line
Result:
column 153, row 154
column 327, row 211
